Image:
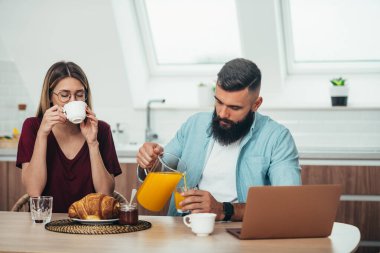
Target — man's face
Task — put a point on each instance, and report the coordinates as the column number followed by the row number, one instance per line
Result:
column 233, row 115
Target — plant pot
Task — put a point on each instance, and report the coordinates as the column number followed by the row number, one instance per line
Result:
column 339, row 95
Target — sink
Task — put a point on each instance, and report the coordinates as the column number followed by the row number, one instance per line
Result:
column 128, row 149
column 127, row 152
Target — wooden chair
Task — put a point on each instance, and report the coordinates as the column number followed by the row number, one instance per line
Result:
column 22, row 204
column 119, row 197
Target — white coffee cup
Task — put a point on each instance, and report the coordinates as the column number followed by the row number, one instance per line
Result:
column 75, row 111
column 202, row 224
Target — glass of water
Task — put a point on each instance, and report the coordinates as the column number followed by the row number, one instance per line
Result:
column 41, row 208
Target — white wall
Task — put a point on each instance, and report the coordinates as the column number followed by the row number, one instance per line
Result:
column 36, row 33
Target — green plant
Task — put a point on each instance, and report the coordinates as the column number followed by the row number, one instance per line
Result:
column 338, row 81
column 212, row 86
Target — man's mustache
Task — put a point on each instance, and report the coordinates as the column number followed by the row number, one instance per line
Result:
column 219, row 119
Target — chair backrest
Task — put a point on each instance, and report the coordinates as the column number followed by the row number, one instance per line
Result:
column 22, row 204
column 119, row 197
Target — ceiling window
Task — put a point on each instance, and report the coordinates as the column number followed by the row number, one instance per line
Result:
column 189, row 32
column 331, row 35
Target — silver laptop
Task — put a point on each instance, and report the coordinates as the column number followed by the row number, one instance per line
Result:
column 289, row 212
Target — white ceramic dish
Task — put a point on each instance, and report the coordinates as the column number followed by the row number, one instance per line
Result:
column 95, row 222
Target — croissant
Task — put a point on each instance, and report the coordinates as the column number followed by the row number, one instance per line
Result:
column 95, row 206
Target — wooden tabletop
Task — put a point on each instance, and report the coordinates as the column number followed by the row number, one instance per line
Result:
column 168, row 234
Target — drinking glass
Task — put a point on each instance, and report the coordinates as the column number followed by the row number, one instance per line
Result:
column 41, row 208
column 178, row 197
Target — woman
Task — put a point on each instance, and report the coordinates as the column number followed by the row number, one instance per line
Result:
column 59, row 158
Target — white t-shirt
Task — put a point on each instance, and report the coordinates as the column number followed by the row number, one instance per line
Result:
column 219, row 174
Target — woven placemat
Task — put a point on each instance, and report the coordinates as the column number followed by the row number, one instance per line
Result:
column 72, row 227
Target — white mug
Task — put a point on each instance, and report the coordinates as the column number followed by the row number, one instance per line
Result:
column 75, row 111
column 202, row 224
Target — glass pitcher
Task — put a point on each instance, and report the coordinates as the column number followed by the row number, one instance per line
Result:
column 161, row 181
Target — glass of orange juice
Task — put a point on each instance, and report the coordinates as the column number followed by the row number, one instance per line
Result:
column 178, row 197
column 161, row 181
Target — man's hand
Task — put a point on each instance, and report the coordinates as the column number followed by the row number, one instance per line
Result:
column 198, row 201
column 148, row 154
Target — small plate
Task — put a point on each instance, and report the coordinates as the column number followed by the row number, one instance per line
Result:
column 95, row 222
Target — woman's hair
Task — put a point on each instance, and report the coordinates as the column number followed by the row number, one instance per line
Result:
column 57, row 72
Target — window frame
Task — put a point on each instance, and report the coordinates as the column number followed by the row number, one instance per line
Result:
column 332, row 67
column 156, row 69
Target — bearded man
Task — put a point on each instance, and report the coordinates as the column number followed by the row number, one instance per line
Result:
column 231, row 149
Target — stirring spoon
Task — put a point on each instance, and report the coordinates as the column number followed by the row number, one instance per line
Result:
column 133, row 193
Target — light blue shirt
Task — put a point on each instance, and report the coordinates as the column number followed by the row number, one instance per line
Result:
column 268, row 154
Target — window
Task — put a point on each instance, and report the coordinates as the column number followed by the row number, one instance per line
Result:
column 191, row 34
column 260, row 32
column 332, row 35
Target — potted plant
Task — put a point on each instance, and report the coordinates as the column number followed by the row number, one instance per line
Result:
column 205, row 95
column 339, row 92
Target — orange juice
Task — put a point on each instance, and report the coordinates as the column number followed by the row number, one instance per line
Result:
column 157, row 189
column 177, row 194
column 178, row 198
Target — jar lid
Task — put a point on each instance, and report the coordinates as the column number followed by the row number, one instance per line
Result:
column 128, row 207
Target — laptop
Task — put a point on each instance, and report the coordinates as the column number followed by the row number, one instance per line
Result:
column 289, row 212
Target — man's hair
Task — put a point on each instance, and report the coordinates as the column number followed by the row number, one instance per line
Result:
column 239, row 74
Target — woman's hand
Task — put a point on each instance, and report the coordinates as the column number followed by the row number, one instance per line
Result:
column 54, row 115
column 89, row 127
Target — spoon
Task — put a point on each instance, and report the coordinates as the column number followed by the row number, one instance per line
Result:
column 133, row 193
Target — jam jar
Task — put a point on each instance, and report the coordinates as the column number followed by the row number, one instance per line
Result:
column 128, row 214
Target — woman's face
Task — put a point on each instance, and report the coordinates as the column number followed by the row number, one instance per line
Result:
column 67, row 90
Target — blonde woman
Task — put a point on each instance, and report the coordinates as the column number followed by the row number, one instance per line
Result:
column 62, row 159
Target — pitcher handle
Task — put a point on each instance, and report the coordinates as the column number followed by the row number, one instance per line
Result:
column 141, row 176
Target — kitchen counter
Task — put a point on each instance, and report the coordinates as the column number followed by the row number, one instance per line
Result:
column 308, row 155
column 126, row 153
column 339, row 156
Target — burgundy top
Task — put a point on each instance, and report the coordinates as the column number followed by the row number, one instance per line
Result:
column 67, row 180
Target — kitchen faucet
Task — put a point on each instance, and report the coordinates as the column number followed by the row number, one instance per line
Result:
column 149, row 134
column 118, row 131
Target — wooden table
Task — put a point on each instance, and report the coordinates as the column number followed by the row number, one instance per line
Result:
column 168, row 234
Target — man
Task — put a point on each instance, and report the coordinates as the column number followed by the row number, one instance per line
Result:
column 231, row 149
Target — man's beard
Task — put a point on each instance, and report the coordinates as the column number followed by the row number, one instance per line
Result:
column 235, row 131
